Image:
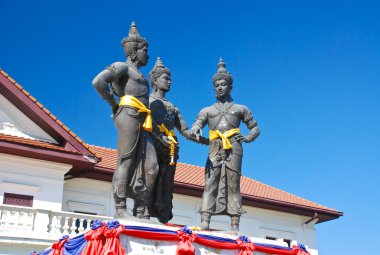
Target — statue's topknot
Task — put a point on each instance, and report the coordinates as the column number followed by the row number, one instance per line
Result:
column 222, row 73
column 133, row 36
column 158, row 69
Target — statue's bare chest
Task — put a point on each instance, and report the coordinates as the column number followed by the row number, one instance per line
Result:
column 224, row 117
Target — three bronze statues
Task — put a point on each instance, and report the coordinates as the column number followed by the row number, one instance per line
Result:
column 148, row 146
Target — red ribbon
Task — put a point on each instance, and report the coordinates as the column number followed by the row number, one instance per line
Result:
column 57, row 247
column 185, row 246
column 246, row 248
column 95, row 242
column 113, row 245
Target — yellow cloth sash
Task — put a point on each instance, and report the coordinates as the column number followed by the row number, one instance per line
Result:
column 170, row 134
column 134, row 102
column 214, row 134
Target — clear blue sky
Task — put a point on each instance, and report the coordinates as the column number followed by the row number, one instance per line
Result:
column 308, row 71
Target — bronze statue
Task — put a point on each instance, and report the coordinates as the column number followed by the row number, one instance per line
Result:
column 221, row 195
column 167, row 117
column 137, row 166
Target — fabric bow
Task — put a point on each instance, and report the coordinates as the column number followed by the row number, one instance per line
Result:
column 113, row 246
column 300, row 249
column 245, row 245
column 214, row 134
column 95, row 238
column 185, row 246
column 57, row 247
column 128, row 100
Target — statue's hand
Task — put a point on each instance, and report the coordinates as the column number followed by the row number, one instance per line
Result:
column 203, row 140
column 165, row 141
column 195, row 130
column 240, row 138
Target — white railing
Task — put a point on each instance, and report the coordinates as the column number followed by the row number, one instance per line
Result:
column 38, row 223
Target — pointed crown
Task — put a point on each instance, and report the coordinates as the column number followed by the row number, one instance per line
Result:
column 222, row 73
column 133, row 36
column 158, row 69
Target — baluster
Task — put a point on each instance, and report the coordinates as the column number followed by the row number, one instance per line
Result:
column 58, row 226
column 21, row 221
column 29, row 221
column 66, row 226
column 73, row 225
column 3, row 221
column 12, row 222
column 81, row 226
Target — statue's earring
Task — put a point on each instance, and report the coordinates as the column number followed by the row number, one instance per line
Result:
column 133, row 56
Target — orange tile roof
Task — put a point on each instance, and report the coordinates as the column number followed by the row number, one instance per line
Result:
column 34, row 143
column 47, row 111
column 194, row 176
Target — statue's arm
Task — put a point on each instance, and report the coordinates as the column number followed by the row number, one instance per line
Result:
column 103, row 79
column 200, row 121
column 181, row 126
column 251, row 125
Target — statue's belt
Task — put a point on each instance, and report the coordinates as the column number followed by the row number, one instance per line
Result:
column 134, row 102
column 170, row 135
column 214, row 134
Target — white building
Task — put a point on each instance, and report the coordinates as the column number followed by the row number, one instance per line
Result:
column 52, row 183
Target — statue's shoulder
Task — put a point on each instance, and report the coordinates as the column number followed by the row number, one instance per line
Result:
column 118, row 67
column 239, row 107
column 207, row 111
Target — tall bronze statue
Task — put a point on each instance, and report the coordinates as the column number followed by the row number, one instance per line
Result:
column 167, row 117
column 221, row 195
column 125, row 89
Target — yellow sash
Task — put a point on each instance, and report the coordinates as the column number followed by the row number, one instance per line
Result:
column 214, row 134
column 134, row 102
column 170, row 134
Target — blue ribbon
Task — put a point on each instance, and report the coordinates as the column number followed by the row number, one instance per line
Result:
column 302, row 247
column 244, row 239
column 113, row 224
column 96, row 224
column 186, row 230
column 75, row 245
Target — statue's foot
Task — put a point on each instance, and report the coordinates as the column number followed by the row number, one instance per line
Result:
column 235, row 228
column 121, row 213
column 205, row 225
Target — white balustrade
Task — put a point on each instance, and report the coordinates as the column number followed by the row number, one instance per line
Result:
column 24, row 221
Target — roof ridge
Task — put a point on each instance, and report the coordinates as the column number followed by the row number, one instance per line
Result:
column 102, row 147
column 28, row 138
column 71, row 133
column 287, row 193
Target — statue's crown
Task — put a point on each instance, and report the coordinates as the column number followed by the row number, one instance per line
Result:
column 134, row 35
column 222, row 73
column 158, row 69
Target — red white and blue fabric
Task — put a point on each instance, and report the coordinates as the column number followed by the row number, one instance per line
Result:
column 104, row 238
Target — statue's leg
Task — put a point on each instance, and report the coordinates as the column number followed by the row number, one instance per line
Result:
column 235, row 219
column 127, row 122
column 210, row 193
column 234, row 206
column 150, row 170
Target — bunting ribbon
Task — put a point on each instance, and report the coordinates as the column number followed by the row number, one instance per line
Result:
column 185, row 246
column 245, row 245
column 95, row 238
column 57, row 248
column 105, row 239
column 111, row 233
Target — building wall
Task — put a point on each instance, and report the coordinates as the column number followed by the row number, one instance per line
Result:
column 41, row 179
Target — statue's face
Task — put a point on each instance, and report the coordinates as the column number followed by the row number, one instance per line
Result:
column 222, row 88
column 163, row 82
column 142, row 55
